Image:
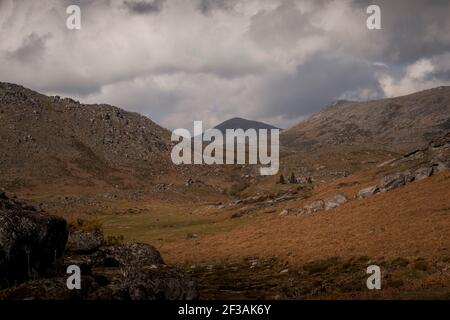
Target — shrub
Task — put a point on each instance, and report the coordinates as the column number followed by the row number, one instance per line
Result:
column 86, row 225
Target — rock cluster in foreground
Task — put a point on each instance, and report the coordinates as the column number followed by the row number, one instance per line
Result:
column 36, row 249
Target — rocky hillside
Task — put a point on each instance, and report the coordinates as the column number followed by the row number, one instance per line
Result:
column 397, row 124
column 48, row 139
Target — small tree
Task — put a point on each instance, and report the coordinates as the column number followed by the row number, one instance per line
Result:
column 282, row 181
column 292, row 178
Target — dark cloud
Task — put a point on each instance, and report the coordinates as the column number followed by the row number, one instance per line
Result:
column 282, row 27
column 207, row 6
column 31, row 50
column 318, row 83
column 144, row 7
column 411, row 29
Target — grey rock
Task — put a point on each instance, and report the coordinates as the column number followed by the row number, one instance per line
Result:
column 136, row 254
column 315, row 206
column 438, row 166
column 335, row 201
column 30, row 241
column 368, row 192
column 48, row 289
column 394, row 181
column 144, row 283
column 423, row 173
column 84, row 242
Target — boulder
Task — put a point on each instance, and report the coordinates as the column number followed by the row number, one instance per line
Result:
column 368, row 192
column 30, row 241
column 438, row 166
column 394, row 181
column 423, row 173
column 135, row 254
column 144, row 283
column 84, row 241
column 315, row 206
column 48, row 289
column 335, row 201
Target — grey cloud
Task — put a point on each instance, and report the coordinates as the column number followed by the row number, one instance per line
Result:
column 31, row 50
column 281, row 27
column 207, row 6
column 317, row 83
column 412, row 29
column 144, row 6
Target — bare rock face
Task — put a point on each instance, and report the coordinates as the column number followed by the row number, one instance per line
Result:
column 30, row 240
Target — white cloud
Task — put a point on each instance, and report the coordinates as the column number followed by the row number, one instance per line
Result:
column 420, row 75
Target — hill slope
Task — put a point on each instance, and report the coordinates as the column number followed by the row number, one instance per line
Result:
column 50, row 139
column 396, row 124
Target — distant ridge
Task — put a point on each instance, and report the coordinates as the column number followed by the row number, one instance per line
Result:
column 397, row 124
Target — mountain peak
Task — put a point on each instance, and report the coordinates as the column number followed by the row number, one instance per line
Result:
column 241, row 123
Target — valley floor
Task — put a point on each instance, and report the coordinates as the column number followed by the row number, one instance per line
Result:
column 323, row 255
column 262, row 255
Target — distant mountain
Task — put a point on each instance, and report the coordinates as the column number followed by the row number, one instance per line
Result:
column 240, row 123
column 396, row 124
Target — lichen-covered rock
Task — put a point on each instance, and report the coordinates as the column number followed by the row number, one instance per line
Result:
column 136, row 254
column 30, row 240
column 84, row 242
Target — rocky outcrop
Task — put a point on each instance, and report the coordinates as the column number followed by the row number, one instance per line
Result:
column 334, row 202
column 30, row 241
column 393, row 181
column 84, row 242
column 396, row 180
column 323, row 204
column 136, row 254
column 423, row 173
column 368, row 192
column 315, row 206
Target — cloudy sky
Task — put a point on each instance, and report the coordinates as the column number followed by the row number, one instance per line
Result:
column 177, row 61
